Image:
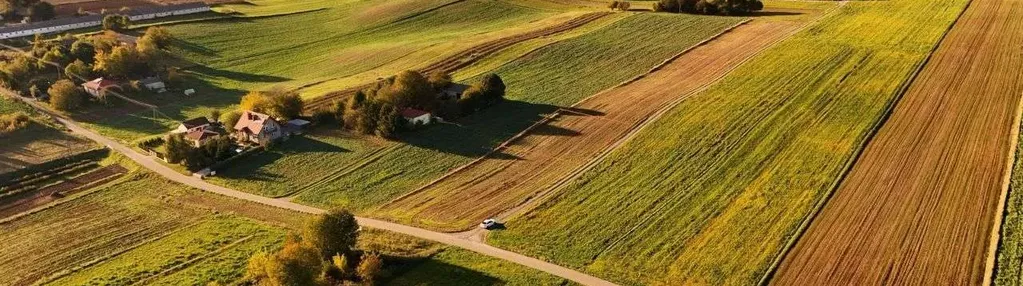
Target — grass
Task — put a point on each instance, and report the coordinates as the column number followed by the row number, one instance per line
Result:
column 556, row 75
column 1010, row 250
column 38, row 143
column 734, row 171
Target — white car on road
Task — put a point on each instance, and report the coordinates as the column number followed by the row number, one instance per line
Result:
column 488, row 223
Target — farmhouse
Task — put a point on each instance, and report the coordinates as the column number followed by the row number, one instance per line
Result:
column 67, row 24
column 200, row 135
column 454, row 91
column 258, row 128
column 192, row 125
column 98, row 87
column 416, row 116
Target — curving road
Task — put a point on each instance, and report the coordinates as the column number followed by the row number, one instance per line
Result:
column 448, row 239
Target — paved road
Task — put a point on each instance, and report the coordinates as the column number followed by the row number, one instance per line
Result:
column 157, row 167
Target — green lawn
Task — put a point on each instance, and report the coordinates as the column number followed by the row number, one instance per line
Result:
column 713, row 191
column 556, row 75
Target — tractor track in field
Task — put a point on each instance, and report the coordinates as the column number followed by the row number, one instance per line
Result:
column 44, row 195
column 923, row 202
column 466, row 57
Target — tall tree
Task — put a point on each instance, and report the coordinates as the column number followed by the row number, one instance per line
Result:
column 332, row 233
column 41, row 11
column 64, row 95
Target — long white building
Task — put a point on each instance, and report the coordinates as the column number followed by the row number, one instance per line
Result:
column 67, row 24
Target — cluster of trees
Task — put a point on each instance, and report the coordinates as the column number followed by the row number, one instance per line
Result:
column 117, row 23
column 36, row 10
column 178, row 150
column 619, row 5
column 709, row 7
column 277, row 102
column 83, row 59
column 324, row 254
column 13, row 122
column 377, row 110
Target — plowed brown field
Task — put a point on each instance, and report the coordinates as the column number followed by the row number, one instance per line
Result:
column 536, row 163
column 919, row 205
column 466, row 57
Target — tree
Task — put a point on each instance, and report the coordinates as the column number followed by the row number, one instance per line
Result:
column 285, row 104
column 472, row 99
column 176, row 148
column 337, row 109
column 340, row 261
column 64, row 95
column 255, row 101
column 41, row 11
column 230, row 119
column 369, row 267
column 120, row 63
column 624, row 5
column 332, row 233
column 116, row 23
column 439, row 80
column 214, row 115
column 158, row 36
column 388, row 121
column 196, row 159
column 493, row 89
column 409, row 89
column 295, row 264
column 78, row 70
column 218, row 148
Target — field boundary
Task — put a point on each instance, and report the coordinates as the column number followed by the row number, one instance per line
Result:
column 996, row 232
column 64, row 200
column 190, row 262
column 851, row 161
column 556, row 114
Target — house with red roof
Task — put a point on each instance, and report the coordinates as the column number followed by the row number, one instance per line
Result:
column 258, row 128
column 416, row 116
column 98, row 87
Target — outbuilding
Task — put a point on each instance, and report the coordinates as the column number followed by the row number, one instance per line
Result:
column 98, row 87
column 416, row 116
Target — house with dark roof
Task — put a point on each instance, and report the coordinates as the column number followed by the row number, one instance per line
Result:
column 192, row 125
column 199, row 136
column 258, row 128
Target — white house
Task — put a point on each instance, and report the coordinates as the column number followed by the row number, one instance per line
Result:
column 98, row 87
column 258, row 128
column 416, row 116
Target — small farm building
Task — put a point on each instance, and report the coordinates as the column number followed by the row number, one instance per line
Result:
column 98, row 87
column 154, row 84
column 416, row 116
column 67, row 24
column 192, row 125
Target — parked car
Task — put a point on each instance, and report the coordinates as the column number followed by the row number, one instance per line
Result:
column 488, row 223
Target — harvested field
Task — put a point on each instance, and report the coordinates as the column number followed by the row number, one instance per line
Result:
column 466, row 57
column 38, row 144
column 919, row 205
column 529, row 167
column 26, row 201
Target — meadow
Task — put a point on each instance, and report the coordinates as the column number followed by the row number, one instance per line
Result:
column 538, row 83
column 713, row 191
column 37, row 143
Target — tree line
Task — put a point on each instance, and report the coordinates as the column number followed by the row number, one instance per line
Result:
column 377, row 110
column 709, row 7
column 36, row 10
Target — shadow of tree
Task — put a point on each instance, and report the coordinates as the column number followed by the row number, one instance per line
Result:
column 431, row 271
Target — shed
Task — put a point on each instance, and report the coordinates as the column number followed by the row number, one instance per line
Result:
column 416, row 116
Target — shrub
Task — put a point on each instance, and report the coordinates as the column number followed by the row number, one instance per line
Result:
column 64, row 95
column 116, row 22
column 13, row 122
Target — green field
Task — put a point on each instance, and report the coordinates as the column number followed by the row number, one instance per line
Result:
column 713, row 191
column 1008, row 269
column 556, row 75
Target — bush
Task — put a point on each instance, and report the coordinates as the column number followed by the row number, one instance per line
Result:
column 116, row 23
column 65, row 96
column 13, row 122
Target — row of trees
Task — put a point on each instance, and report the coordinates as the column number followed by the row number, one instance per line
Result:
column 324, row 254
column 277, row 102
column 377, row 110
column 709, row 7
column 619, row 5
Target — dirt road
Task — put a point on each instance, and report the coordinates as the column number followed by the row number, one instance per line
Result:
column 167, row 172
column 533, row 165
column 920, row 205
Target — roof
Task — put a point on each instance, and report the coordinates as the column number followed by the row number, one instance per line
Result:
column 298, row 122
column 201, row 134
column 195, row 122
column 252, row 122
column 150, row 80
column 51, row 23
column 163, row 9
column 410, row 113
column 100, row 83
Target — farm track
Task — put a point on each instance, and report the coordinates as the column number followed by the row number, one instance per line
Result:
column 923, row 199
column 49, row 194
column 531, row 166
column 466, row 57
